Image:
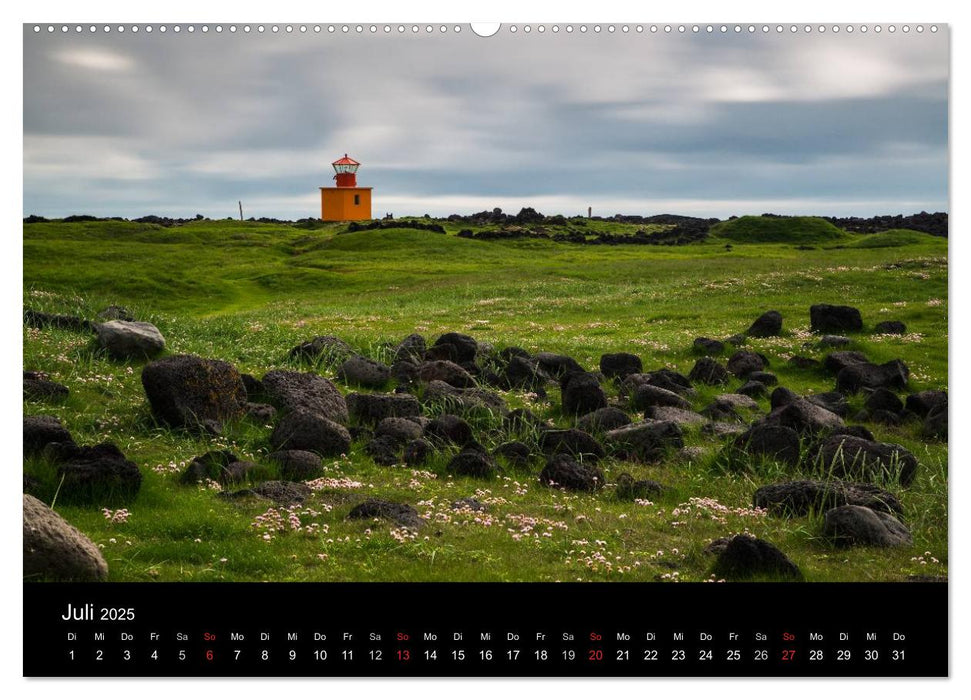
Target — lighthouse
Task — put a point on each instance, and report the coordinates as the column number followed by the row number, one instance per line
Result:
column 345, row 201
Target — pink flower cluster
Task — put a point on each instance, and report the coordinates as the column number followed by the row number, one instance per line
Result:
column 172, row 467
column 283, row 520
column 117, row 516
column 333, row 483
column 701, row 508
column 529, row 526
column 402, row 535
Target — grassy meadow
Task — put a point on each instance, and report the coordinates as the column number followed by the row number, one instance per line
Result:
column 247, row 292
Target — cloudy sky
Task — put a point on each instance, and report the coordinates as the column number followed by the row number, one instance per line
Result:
column 707, row 124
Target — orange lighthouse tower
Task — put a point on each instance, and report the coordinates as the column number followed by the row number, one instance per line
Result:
column 346, row 201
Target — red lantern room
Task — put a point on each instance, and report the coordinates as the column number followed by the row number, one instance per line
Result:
column 346, row 201
column 346, row 169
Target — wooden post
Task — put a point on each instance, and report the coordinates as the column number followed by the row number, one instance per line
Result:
column 240, row 210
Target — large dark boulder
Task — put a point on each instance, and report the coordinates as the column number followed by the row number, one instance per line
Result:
column 744, row 362
column 602, row 420
column 708, row 371
column 400, row 513
column 328, row 348
column 766, row 325
column 449, row 428
column 39, row 387
column 739, row 402
column 417, row 452
column 804, row 417
column 384, row 450
column 858, row 525
column 291, row 391
column 744, row 556
column 832, row 401
column 411, row 349
column 186, row 391
column 253, row 386
column 841, row 359
column 297, row 465
column 524, row 373
column 282, row 493
column 935, row 425
column 781, row 396
column 923, row 402
column 370, row 409
column 239, row 472
column 463, row 347
column 797, row 498
column 99, row 475
column 581, row 393
column 563, row 471
column 405, row 372
column 663, row 378
column 825, row 318
column 306, row 430
column 473, row 461
column 678, row 416
column 445, row 371
column 766, row 378
column 753, row 388
column 884, row 400
column 890, row 375
column 56, row 550
column 39, row 319
column 834, row 341
column 776, row 442
column 516, row 453
column 647, row 395
column 708, row 346
column 459, row 400
column 557, row 365
column 646, row 441
column 399, row 429
column 363, row 371
column 858, row 459
column 620, row 364
column 574, row 442
column 40, row 431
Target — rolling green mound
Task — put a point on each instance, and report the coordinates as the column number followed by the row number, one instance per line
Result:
column 893, row 238
column 802, row 230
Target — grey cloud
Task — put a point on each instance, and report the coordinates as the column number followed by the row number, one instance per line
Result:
column 127, row 125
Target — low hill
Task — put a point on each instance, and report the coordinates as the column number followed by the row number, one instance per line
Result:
column 778, row 229
column 892, row 239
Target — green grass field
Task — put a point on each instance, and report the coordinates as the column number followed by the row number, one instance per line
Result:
column 247, row 292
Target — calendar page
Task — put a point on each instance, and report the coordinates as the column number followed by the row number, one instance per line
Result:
column 437, row 349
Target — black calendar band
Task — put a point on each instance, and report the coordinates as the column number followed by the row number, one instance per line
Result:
column 485, row 629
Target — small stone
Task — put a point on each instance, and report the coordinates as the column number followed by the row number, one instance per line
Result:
column 858, row 525
column 129, row 339
column 565, row 472
column 745, row 557
column 890, row 328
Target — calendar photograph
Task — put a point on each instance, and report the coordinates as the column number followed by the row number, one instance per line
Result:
column 522, row 304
